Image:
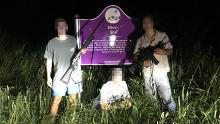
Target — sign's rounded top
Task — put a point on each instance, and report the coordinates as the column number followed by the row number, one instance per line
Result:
column 112, row 14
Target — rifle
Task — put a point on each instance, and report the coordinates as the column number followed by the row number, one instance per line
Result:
column 148, row 54
column 67, row 75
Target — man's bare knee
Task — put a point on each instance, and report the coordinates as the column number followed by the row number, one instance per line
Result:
column 57, row 100
column 73, row 98
column 55, row 105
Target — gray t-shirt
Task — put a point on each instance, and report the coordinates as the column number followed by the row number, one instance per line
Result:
column 60, row 52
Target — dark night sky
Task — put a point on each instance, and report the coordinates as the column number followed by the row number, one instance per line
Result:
column 33, row 20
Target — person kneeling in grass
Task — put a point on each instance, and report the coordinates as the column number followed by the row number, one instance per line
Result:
column 114, row 93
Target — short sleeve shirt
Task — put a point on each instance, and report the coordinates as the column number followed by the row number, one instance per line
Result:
column 111, row 92
column 143, row 42
column 60, row 52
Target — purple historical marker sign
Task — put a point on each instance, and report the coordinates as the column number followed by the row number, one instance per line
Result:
column 111, row 44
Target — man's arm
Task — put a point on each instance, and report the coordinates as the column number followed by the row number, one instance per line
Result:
column 49, row 69
column 168, row 48
column 164, row 51
column 137, row 46
column 104, row 98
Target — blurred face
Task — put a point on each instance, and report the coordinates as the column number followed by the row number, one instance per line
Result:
column 62, row 28
column 116, row 76
column 148, row 24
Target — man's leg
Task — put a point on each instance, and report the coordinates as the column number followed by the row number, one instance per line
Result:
column 149, row 82
column 58, row 90
column 148, row 86
column 55, row 106
column 73, row 99
column 74, row 88
column 165, row 92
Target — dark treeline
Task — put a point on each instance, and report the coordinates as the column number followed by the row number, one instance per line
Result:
column 192, row 21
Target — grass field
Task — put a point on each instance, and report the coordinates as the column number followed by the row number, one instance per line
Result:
column 25, row 98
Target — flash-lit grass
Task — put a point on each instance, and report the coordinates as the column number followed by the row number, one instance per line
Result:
column 25, row 98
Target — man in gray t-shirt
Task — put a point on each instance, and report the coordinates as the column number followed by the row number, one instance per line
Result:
column 58, row 53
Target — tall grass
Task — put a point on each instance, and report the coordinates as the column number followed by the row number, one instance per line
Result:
column 25, row 97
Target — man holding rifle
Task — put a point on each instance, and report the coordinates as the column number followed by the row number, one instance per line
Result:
column 58, row 54
column 155, row 75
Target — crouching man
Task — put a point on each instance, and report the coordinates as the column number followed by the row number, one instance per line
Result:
column 114, row 93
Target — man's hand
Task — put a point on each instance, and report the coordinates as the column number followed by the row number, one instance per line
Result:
column 146, row 63
column 105, row 106
column 160, row 51
column 83, row 50
column 49, row 82
column 49, row 69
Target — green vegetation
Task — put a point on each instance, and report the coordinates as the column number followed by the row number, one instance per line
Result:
column 25, row 98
